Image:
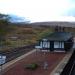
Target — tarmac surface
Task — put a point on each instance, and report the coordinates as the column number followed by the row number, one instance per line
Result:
column 16, row 67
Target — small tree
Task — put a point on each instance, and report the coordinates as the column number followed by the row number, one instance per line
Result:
column 4, row 25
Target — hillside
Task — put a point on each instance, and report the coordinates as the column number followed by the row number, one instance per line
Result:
column 22, row 35
column 55, row 23
column 26, row 34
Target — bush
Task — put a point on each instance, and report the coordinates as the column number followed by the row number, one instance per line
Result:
column 32, row 66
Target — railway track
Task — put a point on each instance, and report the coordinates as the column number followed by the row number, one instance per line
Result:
column 16, row 52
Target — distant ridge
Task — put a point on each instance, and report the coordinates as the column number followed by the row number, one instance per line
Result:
column 56, row 23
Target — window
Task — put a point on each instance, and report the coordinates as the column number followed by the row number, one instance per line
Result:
column 48, row 44
column 41, row 44
column 45, row 43
column 58, row 44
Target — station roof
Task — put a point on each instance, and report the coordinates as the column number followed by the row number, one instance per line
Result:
column 59, row 36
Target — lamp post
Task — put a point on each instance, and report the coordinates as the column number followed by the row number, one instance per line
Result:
column 45, row 62
column 2, row 61
column 45, row 46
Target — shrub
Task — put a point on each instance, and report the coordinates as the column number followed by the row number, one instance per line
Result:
column 32, row 66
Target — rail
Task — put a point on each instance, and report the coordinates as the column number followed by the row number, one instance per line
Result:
column 15, row 52
column 70, row 73
column 69, row 66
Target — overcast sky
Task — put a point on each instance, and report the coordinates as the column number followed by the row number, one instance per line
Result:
column 40, row 10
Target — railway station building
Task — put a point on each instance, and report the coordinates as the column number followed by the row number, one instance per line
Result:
column 56, row 41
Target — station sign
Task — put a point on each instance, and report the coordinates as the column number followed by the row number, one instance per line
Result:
column 2, row 59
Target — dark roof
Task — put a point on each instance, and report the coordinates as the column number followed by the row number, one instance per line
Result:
column 59, row 36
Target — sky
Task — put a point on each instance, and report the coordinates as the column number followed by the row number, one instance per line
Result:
column 40, row 10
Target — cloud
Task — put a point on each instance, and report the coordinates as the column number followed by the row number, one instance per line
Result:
column 38, row 10
column 15, row 18
column 71, row 9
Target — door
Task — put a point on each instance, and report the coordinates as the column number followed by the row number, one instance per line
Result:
column 51, row 45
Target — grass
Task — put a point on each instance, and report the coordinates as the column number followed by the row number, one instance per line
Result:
column 26, row 36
